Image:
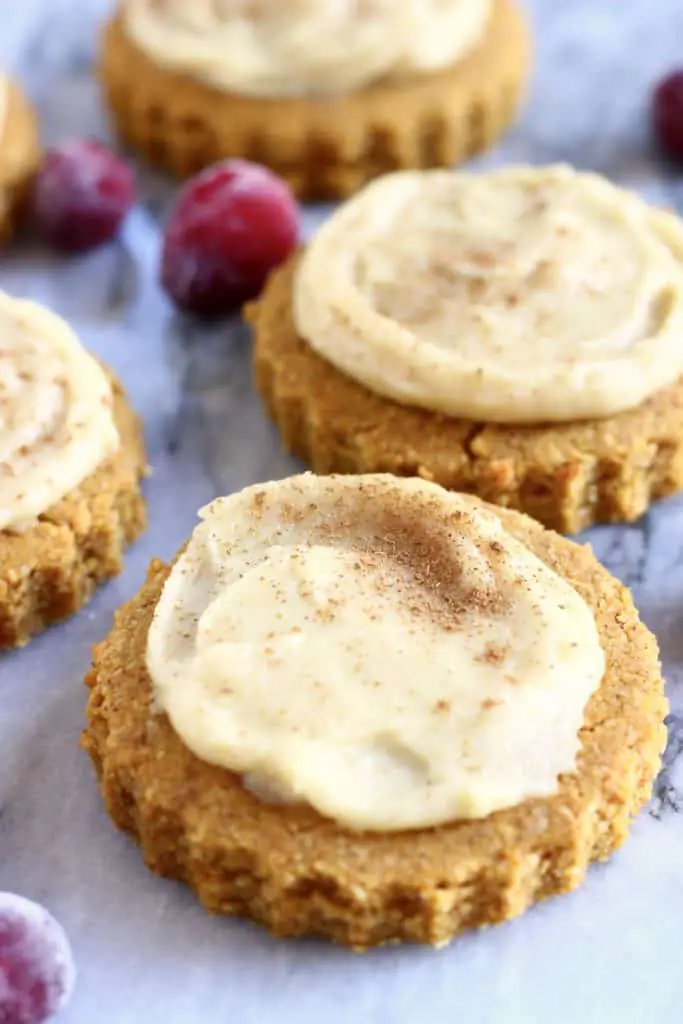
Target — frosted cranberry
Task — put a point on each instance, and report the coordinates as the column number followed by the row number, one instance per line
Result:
column 230, row 227
column 667, row 113
column 81, row 195
column 36, row 966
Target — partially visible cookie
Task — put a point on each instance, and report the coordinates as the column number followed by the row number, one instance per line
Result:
column 20, row 152
column 248, row 850
column 51, row 570
column 513, row 333
column 70, row 496
column 323, row 145
column 569, row 477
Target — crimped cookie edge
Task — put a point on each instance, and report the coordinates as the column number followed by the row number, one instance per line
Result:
column 588, row 821
column 22, row 121
column 82, row 540
column 330, row 148
column 568, row 477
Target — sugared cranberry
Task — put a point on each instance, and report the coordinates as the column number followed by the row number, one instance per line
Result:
column 667, row 113
column 81, row 195
column 36, row 966
column 230, row 227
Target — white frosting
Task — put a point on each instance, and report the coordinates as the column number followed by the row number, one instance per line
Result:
column 56, row 421
column 521, row 295
column 292, row 47
column 378, row 648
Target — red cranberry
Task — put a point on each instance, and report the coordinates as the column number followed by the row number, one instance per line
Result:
column 230, row 226
column 81, row 195
column 36, row 966
column 667, row 113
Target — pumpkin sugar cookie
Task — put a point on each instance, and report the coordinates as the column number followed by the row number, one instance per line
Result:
column 516, row 334
column 70, row 470
column 20, row 152
column 328, row 95
column 375, row 710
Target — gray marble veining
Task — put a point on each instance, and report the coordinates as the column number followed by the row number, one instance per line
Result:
column 146, row 952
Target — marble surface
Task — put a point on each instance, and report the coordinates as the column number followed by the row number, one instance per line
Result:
column 146, row 952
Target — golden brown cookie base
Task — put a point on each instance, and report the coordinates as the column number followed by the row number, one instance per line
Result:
column 297, row 872
column 325, row 146
column 50, row 570
column 20, row 155
column 568, row 476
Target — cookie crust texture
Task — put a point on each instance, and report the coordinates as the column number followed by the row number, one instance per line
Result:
column 568, row 476
column 297, row 872
column 50, row 570
column 20, row 155
column 325, row 147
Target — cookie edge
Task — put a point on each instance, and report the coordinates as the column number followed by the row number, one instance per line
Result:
column 182, row 125
column 21, row 118
column 55, row 590
column 244, row 882
column 580, row 488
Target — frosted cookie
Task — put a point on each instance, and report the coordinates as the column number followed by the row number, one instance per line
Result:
column 19, row 152
column 515, row 334
column 328, row 94
column 70, row 468
column 375, row 710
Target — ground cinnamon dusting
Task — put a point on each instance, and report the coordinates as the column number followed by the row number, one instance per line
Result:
column 442, row 706
column 258, row 501
column 494, row 654
column 422, row 547
column 405, row 545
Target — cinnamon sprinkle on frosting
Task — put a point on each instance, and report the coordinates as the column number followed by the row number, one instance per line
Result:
column 346, row 649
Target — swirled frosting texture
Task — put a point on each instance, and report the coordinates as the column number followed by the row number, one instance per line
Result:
column 294, row 47
column 380, row 649
column 56, row 423
column 520, row 295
